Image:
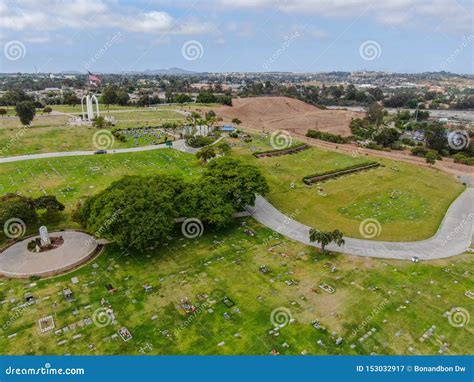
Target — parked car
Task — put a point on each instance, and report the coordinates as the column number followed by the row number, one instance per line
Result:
column 100, row 152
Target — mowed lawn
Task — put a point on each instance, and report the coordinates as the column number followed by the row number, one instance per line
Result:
column 395, row 301
column 73, row 178
column 52, row 134
column 408, row 201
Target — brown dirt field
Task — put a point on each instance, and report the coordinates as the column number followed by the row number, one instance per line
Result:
column 282, row 113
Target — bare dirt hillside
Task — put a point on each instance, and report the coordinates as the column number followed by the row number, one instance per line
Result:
column 282, row 113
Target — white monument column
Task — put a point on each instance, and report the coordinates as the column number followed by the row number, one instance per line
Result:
column 45, row 240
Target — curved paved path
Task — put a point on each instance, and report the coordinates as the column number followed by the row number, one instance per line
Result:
column 18, row 262
column 454, row 235
column 179, row 145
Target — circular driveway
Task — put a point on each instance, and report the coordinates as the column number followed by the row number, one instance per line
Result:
column 18, row 262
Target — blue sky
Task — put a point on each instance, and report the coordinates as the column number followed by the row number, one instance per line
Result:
column 237, row 35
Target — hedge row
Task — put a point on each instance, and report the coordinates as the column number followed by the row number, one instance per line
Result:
column 328, row 137
column 335, row 173
column 277, row 152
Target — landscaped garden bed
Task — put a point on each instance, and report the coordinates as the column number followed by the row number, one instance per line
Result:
column 35, row 245
column 309, row 179
column 278, row 152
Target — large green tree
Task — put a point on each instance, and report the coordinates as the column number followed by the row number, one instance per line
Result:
column 135, row 211
column 375, row 113
column 387, row 136
column 26, row 111
column 436, row 136
column 207, row 202
column 141, row 212
column 109, row 95
column 240, row 182
column 49, row 203
column 17, row 206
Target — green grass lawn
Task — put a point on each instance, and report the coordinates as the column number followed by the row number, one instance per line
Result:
column 409, row 201
column 51, row 133
column 73, row 178
column 398, row 301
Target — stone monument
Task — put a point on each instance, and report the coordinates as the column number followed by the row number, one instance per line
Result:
column 88, row 114
column 45, row 239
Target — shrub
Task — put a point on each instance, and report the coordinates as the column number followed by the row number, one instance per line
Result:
column 374, row 146
column 289, row 150
column 463, row 159
column 397, row 145
column 308, row 179
column 199, row 141
column 326, row 136
column 408, row 141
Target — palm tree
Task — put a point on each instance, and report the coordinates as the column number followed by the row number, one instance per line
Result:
column 326, row 237
column 338, row 237
column 206, row 153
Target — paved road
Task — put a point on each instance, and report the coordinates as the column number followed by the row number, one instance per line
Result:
column 178, row 145
column 454, row 235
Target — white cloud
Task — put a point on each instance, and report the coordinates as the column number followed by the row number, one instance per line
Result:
column 151, row 22
column 37, row 39
column 43, row 15
column 402, row 13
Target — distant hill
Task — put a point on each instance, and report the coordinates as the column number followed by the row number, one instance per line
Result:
column 171, row 71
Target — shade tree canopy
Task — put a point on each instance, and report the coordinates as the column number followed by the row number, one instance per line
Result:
column 141, row 212
column 26, row 111
column 14, row 206
column 241, row 182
